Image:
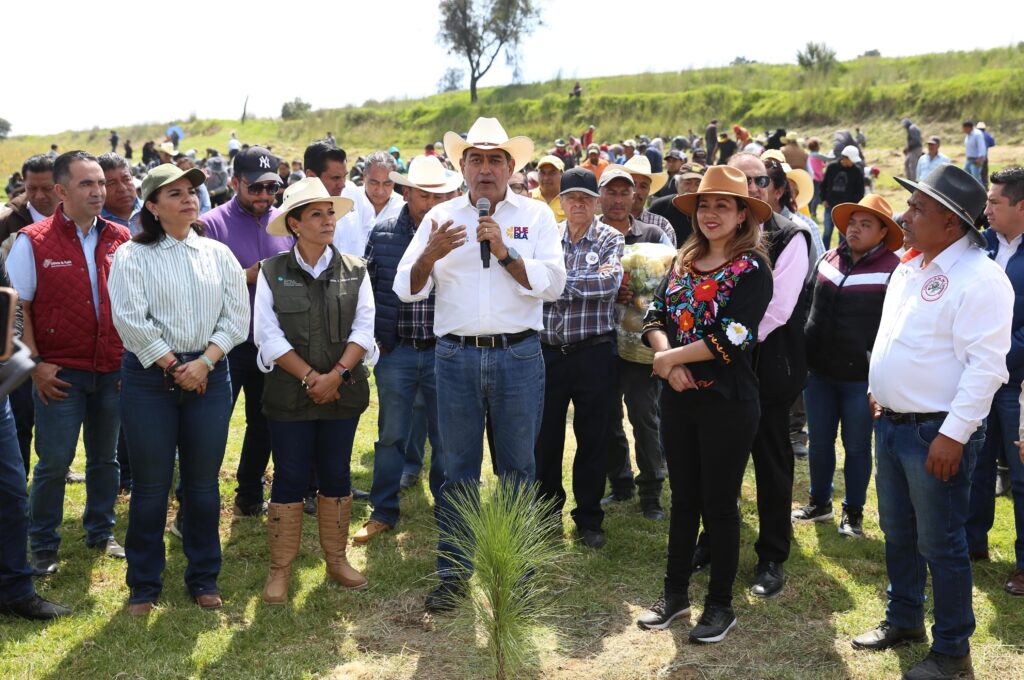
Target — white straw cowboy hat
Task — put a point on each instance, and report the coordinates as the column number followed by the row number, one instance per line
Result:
column 428, row 174
column 303, row 192
column 641, row 165
column 804, row 185
column 487, row 134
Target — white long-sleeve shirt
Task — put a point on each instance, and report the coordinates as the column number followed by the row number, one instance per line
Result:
column 471, row 300
column 943, row 338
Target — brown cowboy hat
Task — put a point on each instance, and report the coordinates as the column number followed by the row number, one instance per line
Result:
column 723, row 180
column 877, row 206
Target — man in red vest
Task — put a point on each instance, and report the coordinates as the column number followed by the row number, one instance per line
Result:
column 59, row 267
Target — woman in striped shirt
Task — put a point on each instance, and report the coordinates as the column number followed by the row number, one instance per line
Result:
column 180, row 304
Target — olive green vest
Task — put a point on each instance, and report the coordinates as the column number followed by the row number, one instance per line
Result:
column 316, row 316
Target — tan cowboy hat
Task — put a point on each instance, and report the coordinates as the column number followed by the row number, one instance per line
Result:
column 305, row 191
column 773, row 154
column 723, row 180
column 877, row 206
column 641, row 165
column 487, row 134
column 428, row 174
column 167, row 148
column 804, row 186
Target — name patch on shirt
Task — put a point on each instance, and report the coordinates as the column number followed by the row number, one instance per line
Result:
column 516, row 233
column 47, row 263
column 289, row 283
column 934, row 287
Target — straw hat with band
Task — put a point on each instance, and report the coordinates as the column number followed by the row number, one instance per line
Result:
column 804, row 185
column 487, row 134
column 304, row 192
column 877, row 206
column 164, row 174
column 641, row 165
column 428, row 174
column 723, row 180
column 958, row 191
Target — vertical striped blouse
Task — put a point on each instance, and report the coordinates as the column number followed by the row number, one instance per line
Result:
column 178, row 296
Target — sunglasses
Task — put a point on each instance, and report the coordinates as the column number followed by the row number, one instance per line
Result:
column 761, row 180
column 264, row 187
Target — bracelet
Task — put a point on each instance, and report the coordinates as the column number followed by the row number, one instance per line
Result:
column 206, row 360
column 305, row 378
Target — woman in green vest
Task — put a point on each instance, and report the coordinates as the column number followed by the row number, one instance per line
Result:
column 313, row 323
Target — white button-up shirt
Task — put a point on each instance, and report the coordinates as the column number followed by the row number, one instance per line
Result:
column 350, row 235
column 1007, row 249
column 943, row 338
column 472, row 300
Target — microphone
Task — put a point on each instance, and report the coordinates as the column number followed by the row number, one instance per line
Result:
column 483, row 207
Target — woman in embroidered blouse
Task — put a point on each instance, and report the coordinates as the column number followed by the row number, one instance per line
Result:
column 702, row 325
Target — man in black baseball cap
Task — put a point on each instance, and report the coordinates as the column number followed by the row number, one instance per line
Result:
column 256, row 164
column 578, row 342
column 674, row 160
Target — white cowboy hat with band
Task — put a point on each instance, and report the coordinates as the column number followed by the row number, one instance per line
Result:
column 303, row 192
column 428, row 174
column 641, row 165
column 487, row 134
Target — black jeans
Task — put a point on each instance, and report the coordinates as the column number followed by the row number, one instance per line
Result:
column 252, row 464
column 772, row 452
column 640, row 391
column 707, row 439
column 585, row 377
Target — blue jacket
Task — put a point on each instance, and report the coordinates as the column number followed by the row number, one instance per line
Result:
column 384, row 249
column 1015, row 272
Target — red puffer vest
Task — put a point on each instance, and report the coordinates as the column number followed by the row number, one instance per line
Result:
column 66, row 329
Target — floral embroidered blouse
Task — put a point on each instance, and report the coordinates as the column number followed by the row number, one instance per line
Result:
column 721, row 308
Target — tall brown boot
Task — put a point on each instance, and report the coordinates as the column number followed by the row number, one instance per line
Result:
column 333, row 515
column 284, row 533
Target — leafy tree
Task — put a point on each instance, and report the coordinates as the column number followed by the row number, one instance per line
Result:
column 741, row 61
column 480, row 30
column 817, row 57
column 872, row 53
column 295, row 109
column 451, row 80
column 5, row 128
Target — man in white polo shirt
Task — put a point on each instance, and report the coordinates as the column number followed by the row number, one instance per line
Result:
column 938, row 359
column 488, row 311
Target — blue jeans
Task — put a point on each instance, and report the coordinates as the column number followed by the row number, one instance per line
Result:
column 402, row 375
column 159, row 422
column 91, row 407
column 1002, row 424
column 830, row 402
column 974, row 169
column 325, row 445
column 15, row 574
column 923, row 520
column 509, row 381
column 415, row 447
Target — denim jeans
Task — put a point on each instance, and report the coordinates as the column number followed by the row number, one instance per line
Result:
column 510, row 382
column 974, row 170
column 91, row 407
column 252, row 463
column 24, row 409
column 415, row 446
column 15, row 574
column 402, row 375
column 158, row 423
column 1002, row 431
column 923, row 520
column 325, row 445
column 831, row 402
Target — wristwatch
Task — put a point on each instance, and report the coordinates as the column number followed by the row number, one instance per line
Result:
column 510, row 258
column 345, row 373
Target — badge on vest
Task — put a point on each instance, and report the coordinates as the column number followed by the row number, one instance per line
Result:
column 289, row 283
column 48, row 263
column 934, row 287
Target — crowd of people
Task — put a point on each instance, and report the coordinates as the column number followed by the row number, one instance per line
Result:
column 487, row 291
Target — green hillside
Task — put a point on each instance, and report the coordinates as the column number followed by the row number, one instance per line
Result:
column 873, row 92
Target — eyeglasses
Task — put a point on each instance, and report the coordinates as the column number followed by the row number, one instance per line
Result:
column 761, row 180
column 265, row 187
column 517, row 187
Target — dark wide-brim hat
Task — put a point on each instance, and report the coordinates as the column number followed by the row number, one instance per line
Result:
column 958, row 191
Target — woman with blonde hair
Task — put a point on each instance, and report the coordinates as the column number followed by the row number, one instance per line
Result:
column 702, row 325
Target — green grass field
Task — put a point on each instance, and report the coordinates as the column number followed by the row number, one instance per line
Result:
column 836, row 589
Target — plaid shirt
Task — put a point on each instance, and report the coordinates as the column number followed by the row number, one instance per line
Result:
column 587, row 305
column 415, row 319
column 660, row 222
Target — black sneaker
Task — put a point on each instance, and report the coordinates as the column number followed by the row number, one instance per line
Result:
column 770, row 580
column 886, row 636
column 249, row 509
column 35, row 608
column 44, row 562
column 799, row 450
column 852, row 523
column 652, row 510
column 615, row 497
column 813, row 513
column 668, row 608
column 445, row 597
column 714, row 625
column 701, row 557
column 941, row 667
column 592, row 538
column 360, row 495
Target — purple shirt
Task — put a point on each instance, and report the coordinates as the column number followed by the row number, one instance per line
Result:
column 246, row 236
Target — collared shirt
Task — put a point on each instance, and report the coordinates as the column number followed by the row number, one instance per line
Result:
column 368, row 213
column 925, row 164
column 555, row 204
column 21, row 264
column 974, row 143
column 472, row 300
column 1007, row 249
column 36, row 215
column 177, row 296
column 132, row 223
column 587, row 305
column 660, row 222
column 351, row 231
column 943, row 339
column 788, row 276
column 642, row 232
column 267, row 333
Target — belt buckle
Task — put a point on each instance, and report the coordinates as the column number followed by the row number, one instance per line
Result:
column 487, row 345
column 565, row 349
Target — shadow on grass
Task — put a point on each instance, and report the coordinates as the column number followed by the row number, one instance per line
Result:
column 1008, row 624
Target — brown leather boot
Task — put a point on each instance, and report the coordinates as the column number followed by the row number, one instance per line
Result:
column 333, row 515
column 284, row 533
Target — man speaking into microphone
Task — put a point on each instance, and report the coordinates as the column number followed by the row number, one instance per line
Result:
column 492, row 258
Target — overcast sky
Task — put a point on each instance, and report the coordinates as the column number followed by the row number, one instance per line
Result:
column 73, row 65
